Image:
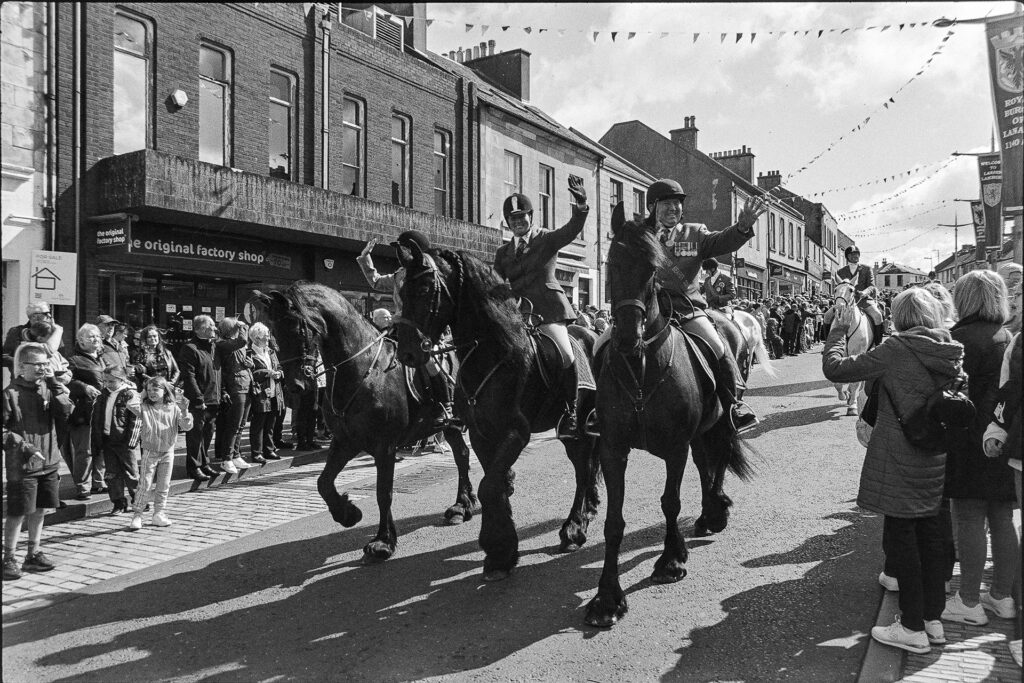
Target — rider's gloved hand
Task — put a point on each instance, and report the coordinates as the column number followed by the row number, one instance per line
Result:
column 576, row 189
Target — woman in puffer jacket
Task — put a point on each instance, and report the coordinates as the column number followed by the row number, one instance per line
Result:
column 900, row 481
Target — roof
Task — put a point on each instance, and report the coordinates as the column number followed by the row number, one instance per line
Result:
column 897, row 268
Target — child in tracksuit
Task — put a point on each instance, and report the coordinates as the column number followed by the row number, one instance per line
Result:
column 115, row 437
column 161, row 414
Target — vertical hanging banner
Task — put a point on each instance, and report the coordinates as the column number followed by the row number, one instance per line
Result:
column 978, row 216
column 991, row 173
column 1005, row 43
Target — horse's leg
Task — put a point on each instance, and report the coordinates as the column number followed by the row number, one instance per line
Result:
column 342, row 509
column 841, row 390
column 465, row 499
column 383, row 544
column 714, row 503
column 851, row 401
column 671, row 566
column 498, row 536
column 609, row 605
column 585, row 461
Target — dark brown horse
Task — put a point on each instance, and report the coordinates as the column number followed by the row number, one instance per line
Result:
column 367, row 406
column 500, row 392
column 650, row 395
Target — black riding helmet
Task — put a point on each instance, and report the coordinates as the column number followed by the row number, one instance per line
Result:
column 516, row 203
column 409, row 238
column 666, row 188
column 852, row 249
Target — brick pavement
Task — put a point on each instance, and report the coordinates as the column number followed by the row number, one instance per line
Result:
column 90, row 550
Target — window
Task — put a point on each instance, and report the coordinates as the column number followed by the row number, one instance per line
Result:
column 771, row 232
column 799, row 243
column 546, row 183
column 281, row 124
column 616, row 193
column 214, row 106
column 376, row 23
column 442, row 152
column 352, row 160
column 899, row 280
column 791, row 252
column 638, row 203
column 886, row 280
column 513, row 173
column 400, row 161
column 132, row 79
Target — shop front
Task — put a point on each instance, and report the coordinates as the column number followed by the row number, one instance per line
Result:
column 749, row 281
column 785, row 281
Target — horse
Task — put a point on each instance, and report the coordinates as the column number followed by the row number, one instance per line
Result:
column 500, row 390
column 858, row 339
column 368, row 405
column 651, row 395
column 742, row 333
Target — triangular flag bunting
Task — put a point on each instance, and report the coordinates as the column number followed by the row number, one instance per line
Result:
column 561, row 32
column 886, row 105
column 820, row 32
column 665, row 35
column 695, row 37
column 885, row 28
column 505, row 28
column 752, row 36
column 844, row 31
column 631, row 36
column 738, row 37
column 723, row 38
column 429, row 22
column 483, row 29
column 614, row 33
column 469, row 27
column 595, row 35
column 901, row 26
column 528, row 29
column 892, row 100
column 541, row 30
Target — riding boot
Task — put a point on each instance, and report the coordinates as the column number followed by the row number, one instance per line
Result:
column 879, row 330
column 441, row 394
column 568, row 429
column 730, row 384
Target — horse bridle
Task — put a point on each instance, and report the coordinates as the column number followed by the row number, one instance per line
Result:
column 439, row 285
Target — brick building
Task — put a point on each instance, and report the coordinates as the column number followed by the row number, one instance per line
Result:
column 198, row 160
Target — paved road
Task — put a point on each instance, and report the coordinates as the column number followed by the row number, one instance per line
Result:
column 256, row 582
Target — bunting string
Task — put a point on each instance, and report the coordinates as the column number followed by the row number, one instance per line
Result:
column 862, row 213
column 884, row 179
column 876, row 230
column 912, row 239
column 894, row 195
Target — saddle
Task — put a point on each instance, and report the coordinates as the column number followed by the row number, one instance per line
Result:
column 702, row 356
column 549, row 362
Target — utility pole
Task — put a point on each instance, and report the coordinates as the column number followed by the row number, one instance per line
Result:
column 956, row 225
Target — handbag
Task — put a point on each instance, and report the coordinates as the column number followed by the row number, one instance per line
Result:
column 944, row 419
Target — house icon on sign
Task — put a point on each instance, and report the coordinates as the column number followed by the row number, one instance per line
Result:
column 45, row 279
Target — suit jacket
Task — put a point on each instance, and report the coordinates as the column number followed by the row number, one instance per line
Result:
column 533, row 275
column 865, row 277
column 721, row 292
column 686, row 246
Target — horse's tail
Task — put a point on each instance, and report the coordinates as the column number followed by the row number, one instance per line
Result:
column 726, row 447
column 763, row 359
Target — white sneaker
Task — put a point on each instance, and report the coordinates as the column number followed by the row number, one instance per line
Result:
column 936, row 635
column 136, row 522
column 228, row 466
column 160, row 519
column 889, row 583
column 1002, row 608
column 1014, row 646
column 956, row 610
column 898, row 636
column 239, row 463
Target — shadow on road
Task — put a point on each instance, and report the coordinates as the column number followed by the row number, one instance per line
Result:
column 794, row 418
column 788, row 389
column 809, row 629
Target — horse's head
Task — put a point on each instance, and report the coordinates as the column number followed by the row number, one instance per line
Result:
column 633, row 260
column 845, row 294
column 429, row 295
column 295, row 336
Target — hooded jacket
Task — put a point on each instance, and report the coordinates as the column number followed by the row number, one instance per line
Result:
column 31, row 415
column 898, row 479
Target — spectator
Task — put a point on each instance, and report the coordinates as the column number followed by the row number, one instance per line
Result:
column 115, row 437
column 899, row 480
column 309, row 407
column 981, row 489
column 39, row 332
column 1011, row 274
column 942, row 295
column 775, row 343
column 282, row 407
column 381, row 319
column 162, row 412
column 87, row 367
column 600, row 325
column 790, row 330
column 153, row 359
column 235, row 382
column 267, row 395
column 120, row 340
column 758, row 312
column 1002, row 439
column 36, row 312
column 200, row 376
column 34, row 403
column 110, row 350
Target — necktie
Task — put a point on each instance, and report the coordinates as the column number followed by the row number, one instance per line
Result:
column 520, row 248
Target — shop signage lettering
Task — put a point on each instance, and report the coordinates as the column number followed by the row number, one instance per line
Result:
column 112, row 235
column 194, row 250
column 1005, row 42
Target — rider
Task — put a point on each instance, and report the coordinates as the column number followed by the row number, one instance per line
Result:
column 863, row 280
column 440, row 387
column 717, row 287
column 687, row 244
column 528, row 263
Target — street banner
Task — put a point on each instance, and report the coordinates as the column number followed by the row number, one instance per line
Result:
column 53, row 277
column 991, row 174
column 978, row 216
column 1005, row 45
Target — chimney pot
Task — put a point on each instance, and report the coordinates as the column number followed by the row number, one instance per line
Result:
column 459, row 56
column 490, row 47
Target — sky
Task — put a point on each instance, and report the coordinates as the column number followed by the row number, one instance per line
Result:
column 789, row 98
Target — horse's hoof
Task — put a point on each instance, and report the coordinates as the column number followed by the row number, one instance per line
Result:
column 700, row 528
column 602, row 615
column 495, row 575
column 569, row 547
column 851, row 412
column 454, row 516
column 348, row 516
column 668, row 574
column 376, row 552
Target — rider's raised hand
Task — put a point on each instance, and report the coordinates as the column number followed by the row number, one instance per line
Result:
column 576, row 189
column 752, row 210
column 368, row 248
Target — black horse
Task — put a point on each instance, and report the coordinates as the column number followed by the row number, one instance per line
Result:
column 500, row 390
column 368, row 405
column 651, row 395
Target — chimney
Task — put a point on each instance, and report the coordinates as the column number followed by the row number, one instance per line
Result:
column 490, row 47
column 686, row 136
column 510, row 71
column 769, row 180
column 739, row 161
column 476, row 52
column 483, row 49
column 459, row 56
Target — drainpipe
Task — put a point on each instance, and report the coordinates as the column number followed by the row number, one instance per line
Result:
column 325, row 138
column 599, row 294
column 76, row 160
column 474, row 156
column 51, row 128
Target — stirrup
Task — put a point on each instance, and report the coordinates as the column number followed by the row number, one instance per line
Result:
column 592, row 426
column 739, row 429
column 567, row 428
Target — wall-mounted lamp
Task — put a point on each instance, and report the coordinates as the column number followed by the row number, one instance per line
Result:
column 179, row 98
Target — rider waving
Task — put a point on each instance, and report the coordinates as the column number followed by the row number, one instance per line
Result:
column 863, row 280
column 528, row 263
column 687, row 245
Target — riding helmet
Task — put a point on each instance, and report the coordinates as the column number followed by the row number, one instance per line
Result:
column 410, row 237
column 852, row 249
column 516, row 203
column 666, row 188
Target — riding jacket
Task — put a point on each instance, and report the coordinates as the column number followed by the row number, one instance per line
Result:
column 862, row 280
column 718, row 290
column 532, row 275
column 687, row 245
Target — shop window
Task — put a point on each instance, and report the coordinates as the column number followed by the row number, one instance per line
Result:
column 353, row 168
column 513, row 173
column 546, row 183
column 214, row 105
column 281, row 124
column 442, row 171
column 400, row 160
column 133, row 91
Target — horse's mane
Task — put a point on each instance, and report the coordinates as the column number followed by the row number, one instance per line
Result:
column 306, row 295
column 636, row 241
column 492, row 311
